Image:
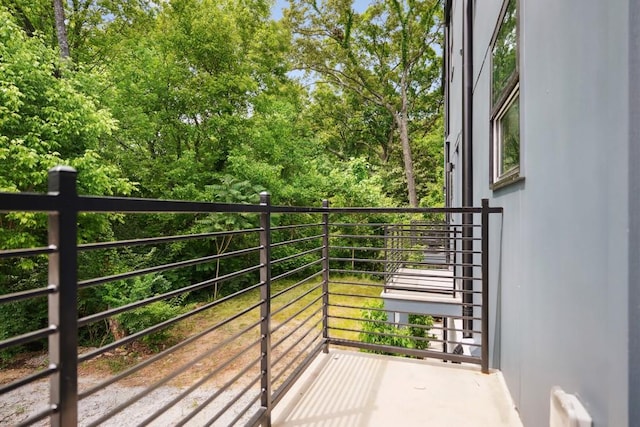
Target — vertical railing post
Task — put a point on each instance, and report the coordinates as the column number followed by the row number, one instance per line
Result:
column 63, row 303
column 325, row 276
column 467, row 274
column 265, row 307
column 387, row 265
column 485, row 286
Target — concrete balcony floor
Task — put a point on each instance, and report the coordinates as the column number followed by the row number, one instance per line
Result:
column 349, row 388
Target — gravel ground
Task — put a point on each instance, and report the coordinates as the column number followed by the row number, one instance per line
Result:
column 20, row 404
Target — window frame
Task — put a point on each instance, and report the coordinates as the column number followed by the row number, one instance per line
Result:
column 499, row 107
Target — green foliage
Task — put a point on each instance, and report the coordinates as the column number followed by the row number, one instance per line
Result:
column 46, row 120
column 132, row 290
column 193, row 100
column 142, row 318
column 384, row 61
column 377, row 330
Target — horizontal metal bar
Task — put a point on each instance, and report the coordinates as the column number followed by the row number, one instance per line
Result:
column 296, row 299
column 360, row 319
column 201, row 381
column 435, row 327
column 385, row 224
column 295, row 226
column 23, row 253
column 366, row 284
column 242, row 412
column 32, row 293
column 406, row 351
column 356, row 272
column 290, row 333
column 219, row 391
column 28, row 337
column 292, row 361
column 302, row 310
column 163, row 354
column 259, row 418
column 295, row 285
column 48, row 203
column 430, row 290
column 50, row 410
column 354, row 307
column 464, row 239
column 296, row 270
column 334, row 237
column 346, row 294
column 112, row 312
column 297, row 372
column 456, row 317
column 410, row 250
column 437, row 264
column 231, row 402
column 294, row 256
column 385, row 273
column 137, row 205
column 417, row 235
column 28, row 202
column 379, row 334
column 300, row 240
column 454, row 342
column 166, row 378
column 293, row 209
column 92, row 354
column 6, row 388
column 411, row 325
column 363, row 260
column 165, row 239
column 163, row 267
column 360, row 248
column 440, row 231
column 413, row 210
column 359, row 307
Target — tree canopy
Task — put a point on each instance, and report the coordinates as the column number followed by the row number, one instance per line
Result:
column 383, row 58
column 204, row 100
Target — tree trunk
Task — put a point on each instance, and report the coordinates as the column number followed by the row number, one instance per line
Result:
column 402, row 120
column 116, row 329
column 61, row 29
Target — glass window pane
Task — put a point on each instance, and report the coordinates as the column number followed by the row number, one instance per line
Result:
column 510, row 137
column 504, row 51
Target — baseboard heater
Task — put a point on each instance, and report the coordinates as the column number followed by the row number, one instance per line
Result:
column 567, row 411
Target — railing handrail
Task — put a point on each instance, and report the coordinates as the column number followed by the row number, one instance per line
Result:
column 41, row 202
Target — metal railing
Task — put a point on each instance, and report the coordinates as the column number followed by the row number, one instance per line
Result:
column 232, row 327
column 419, row 245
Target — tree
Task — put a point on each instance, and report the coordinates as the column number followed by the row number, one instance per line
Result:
column 386, row 56
column 61, row 28
column 183, row 86
column 44, row 121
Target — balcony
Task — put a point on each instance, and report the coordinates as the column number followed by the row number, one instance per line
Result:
column 301, row 321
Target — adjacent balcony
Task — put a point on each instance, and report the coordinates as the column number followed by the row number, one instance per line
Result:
column 287, row 316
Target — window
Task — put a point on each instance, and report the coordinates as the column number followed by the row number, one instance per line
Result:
column 505, row 98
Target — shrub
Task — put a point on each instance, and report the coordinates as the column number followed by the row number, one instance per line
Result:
column 376, row 329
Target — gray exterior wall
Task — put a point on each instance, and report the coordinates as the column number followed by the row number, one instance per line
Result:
column 634, row 214
column 564, row 271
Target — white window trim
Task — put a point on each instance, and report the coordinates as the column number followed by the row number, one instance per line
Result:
column 496, row 179
column 498, row 174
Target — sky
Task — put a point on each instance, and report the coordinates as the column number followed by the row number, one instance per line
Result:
column 276, row 11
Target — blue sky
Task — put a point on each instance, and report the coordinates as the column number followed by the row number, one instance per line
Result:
column 276, row 11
